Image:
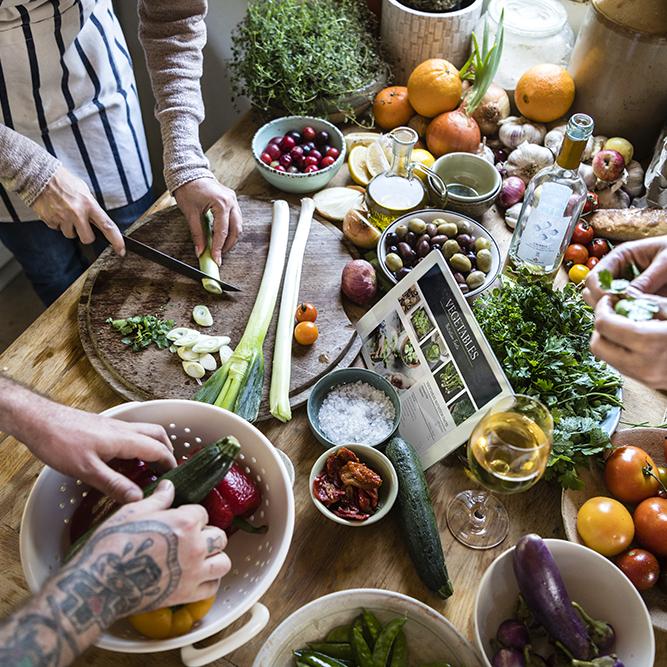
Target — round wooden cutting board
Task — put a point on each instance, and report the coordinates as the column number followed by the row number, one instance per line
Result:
column 121, row 287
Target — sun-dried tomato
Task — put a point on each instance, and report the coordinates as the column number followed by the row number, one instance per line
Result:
column 367, row 501
column 325, row 491
column 337, row 460
column 345, row 511
column 359, row 475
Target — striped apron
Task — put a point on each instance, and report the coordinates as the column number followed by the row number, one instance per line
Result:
column 66, row 82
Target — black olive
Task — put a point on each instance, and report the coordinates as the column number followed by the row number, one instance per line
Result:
column 473, row 259
column 464, row 288
column 431, row 229
column 423, row 248
column 403, row 272
column 438, row 240
column 393, row 249
column 464, row 240
column 411, row 238
column 392, row 239
column 459, row 277
column 404, row 250
column 422, row 238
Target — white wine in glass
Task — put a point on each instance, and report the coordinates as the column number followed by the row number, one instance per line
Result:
column 507, row 453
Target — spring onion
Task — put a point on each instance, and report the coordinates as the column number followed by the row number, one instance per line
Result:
column 206, row 263
column 194, row 369
column 202, row 316
column 237, row 385
column 282, row 352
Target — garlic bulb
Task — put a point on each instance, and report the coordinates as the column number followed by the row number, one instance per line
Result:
column 597, row 143
column 609, row 198
column 512, row 215
column 514, row 130
column 586, row 172
column 485, row 152
column 634, row 181
column 554, row 139
column 527, row 160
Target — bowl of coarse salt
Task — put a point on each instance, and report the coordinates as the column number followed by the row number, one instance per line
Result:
column 353, row 406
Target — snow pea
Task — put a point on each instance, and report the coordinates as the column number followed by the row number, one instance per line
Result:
column 315, row 659
column 372, row 626
column 399, row 654
column 342, row 633
column 385, row 641
column 333, row 649
column 360, row 649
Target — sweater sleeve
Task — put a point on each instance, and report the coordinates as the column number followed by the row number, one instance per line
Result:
column 173, row 33
column 25, row 167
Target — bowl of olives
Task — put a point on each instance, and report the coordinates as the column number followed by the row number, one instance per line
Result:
column 470, row 251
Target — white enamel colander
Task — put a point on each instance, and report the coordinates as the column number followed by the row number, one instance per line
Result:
column 256, row 559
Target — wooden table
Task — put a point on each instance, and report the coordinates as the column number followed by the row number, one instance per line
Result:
column 324, row 557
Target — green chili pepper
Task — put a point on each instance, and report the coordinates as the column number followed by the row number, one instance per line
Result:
column 342, row 633
column 362, row 653
column 372, row 626
column 399, row 653
column 385, row 642
column 333, row 649
column 315, row 659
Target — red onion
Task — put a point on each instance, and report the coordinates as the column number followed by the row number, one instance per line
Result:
column 359, row 282
column 511, row 192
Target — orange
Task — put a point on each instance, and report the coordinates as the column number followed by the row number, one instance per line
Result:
column 434, row 87
column 544, row 93
column 391, row 107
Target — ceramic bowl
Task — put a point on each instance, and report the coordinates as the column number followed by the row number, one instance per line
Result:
column 472, row 182
column 430, row 214
column 377, row 462
column 430, row 636
column 345, row 376
column 297, row 183
column 591, row 580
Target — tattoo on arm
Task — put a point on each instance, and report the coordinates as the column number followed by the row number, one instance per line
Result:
column 115, row 575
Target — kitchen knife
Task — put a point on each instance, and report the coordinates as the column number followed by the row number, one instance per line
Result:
column 172, row 263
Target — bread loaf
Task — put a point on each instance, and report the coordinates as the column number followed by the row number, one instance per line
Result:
column 629, row 224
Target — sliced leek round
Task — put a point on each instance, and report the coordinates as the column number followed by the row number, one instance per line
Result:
column 208, row 344
column 194, row 369
column 187, row 354
column 208, row 362
column 225, row 353
column 179, row 332
column 188, row 339
column 202, row 316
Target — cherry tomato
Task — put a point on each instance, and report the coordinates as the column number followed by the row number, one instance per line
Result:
column 640, row 567
column 306, row 312
column 626, row 474
column 662, row 474
column 306, row 333
column 576, row 253
column 591, row 204
column 605, row 526
column 651, row 525
column 583, row 233
column 578, row 273
column 598, row 247
column 592, row 261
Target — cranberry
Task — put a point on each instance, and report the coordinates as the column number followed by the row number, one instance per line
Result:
column 265, row 158
column 296, row 135
column 274, row 151
column 332, row 152
column 285, row 160
column 274, row 164
column 306, row 149
column 327, row 161
column 310, row 160
column 275, row 140
column 324, row 149
column 296, row 153
column 315, row 154
column 311, row 168
column 308, row 133
column 287, row 143
column 310, row 144
column 322, row 138
column 281, row 168
column 293, row 170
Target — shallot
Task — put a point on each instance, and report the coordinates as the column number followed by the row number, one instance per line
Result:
column 494, row 107
column 359, row 282
column 511, row 192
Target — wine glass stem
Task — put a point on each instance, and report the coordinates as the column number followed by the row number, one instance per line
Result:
column 478, row 512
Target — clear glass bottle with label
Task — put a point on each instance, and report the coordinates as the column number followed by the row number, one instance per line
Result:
column 551, row 207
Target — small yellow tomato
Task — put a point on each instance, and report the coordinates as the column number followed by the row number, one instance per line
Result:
column 578, row 273
column 605, row 525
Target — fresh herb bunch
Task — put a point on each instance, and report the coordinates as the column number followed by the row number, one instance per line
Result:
column 541, row 337
column 295, row 56
column 140, row 331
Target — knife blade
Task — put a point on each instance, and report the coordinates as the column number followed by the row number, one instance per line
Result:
column 172, row 263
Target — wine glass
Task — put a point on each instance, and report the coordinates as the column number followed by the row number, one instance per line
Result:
column 507, row 453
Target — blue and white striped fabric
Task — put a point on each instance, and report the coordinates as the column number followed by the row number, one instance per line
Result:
column 66, row 82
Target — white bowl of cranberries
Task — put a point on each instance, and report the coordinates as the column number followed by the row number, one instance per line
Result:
column 298, row 154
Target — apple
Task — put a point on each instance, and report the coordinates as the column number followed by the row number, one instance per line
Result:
column 608, row 165
column 623, row 146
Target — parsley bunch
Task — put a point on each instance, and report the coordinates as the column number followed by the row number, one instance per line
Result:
column 295, row 56
column 139, row 331
column 541, row 337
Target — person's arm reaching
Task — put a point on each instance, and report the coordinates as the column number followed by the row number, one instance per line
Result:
column 145, row 557
column 173, row 35
column 59, row 198
column 79, row 443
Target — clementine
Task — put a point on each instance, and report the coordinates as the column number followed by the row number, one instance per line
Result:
column 434, row 87
column 544, row 93
column 391, row 107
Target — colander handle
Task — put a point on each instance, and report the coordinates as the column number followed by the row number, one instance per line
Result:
column 195, row 657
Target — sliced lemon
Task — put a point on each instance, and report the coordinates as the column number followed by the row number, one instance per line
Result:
column 358, row 165
column 423, row 156
column 376, row 159
column 353, row 139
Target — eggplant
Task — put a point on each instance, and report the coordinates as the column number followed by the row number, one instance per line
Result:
column 543, row 589
column 513, row 634
column 602, row 633
column 508, row 657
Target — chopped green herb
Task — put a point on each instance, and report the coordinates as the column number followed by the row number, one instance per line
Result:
column 139, row 331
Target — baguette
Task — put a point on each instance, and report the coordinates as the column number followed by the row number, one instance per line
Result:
column 629, row 224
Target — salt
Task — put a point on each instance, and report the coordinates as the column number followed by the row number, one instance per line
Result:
column 356, row 413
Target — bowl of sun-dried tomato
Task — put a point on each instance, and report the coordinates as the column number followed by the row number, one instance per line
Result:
column 354, row 485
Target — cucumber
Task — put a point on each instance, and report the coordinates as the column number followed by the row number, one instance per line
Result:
column 418, row 519
column 193, row 480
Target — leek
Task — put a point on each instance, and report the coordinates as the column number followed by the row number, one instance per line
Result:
column 237, row 385
column 206, row 263
column 282, row 362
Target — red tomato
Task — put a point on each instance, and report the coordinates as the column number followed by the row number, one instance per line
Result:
column 650, row 519
column 583, row 233
column 640, row 567
column 626, row 474
column 599, row 247
column 592, row 261
column 591, row 204
column 576, row 253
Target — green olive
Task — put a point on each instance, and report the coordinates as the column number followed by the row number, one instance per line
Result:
column 401, row 231
column 475, row 279
column 484, row 260
column 464, row 226
column 393, row 262
column 448, row 228
column 416, row 225
column 451, row 247
column 482, row 243
column 438, row 221
column 459, row 262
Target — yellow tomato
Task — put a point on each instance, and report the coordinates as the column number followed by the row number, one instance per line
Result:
column 578, row 273
column 605, row 526
column 171, row 621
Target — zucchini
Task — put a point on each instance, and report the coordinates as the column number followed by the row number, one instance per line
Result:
column 418, row 518
column 193, row 480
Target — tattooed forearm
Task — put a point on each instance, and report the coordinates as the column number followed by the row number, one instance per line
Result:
column 116, row 574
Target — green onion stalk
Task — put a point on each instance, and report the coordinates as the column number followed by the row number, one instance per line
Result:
column 206, row 263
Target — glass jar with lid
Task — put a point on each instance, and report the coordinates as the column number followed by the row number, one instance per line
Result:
column 536, row 32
